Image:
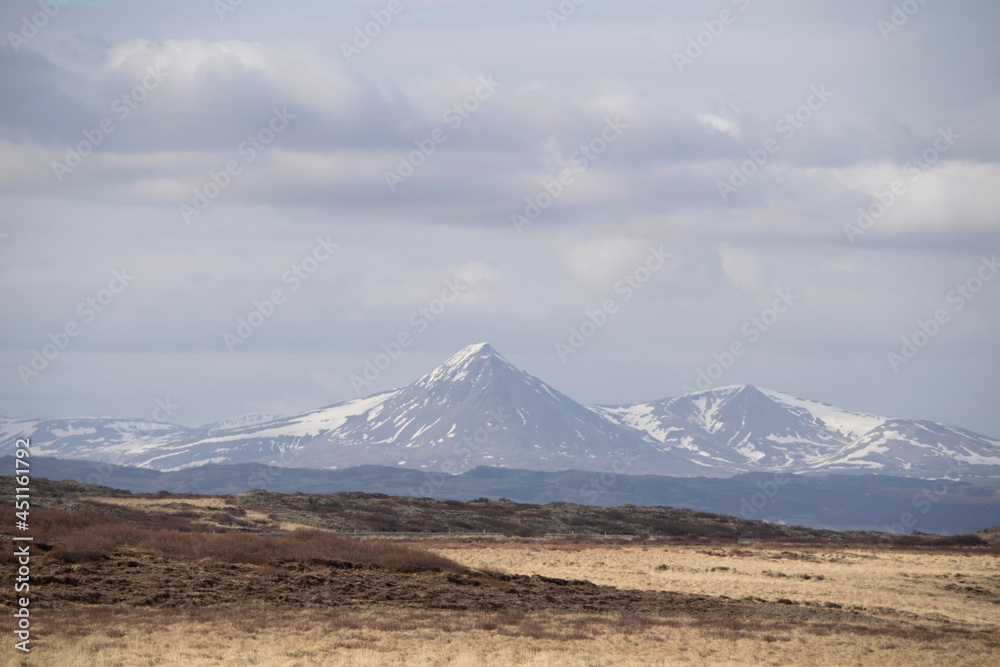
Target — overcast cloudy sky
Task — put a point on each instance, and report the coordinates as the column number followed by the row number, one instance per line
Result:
column 212, row 153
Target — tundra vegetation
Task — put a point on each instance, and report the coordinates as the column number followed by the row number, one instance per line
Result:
column 266, row 579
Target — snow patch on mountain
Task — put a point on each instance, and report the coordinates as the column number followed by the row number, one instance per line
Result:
column 479, row 409
column 850, row 425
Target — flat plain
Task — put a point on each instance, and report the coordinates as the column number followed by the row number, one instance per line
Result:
column 184, row 580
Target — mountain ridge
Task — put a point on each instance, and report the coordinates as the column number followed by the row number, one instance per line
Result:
column 478, row 409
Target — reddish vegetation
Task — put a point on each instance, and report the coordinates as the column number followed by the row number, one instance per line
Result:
column 88, row 536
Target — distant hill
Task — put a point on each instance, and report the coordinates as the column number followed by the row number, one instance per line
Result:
column 268, row 513
column 837, row 502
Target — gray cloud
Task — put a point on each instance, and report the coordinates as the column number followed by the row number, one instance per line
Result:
column 325, row 175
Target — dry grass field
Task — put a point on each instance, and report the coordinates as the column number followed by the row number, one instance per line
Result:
column 399, row 637
column 834, row 607
column 182, row 580
column 388, row 636
column 960, row 587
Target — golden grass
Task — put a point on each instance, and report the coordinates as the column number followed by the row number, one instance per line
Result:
column 182, row 505
column 932, row 616
column 892, row 584
column 425, row 638
column 179, row 505
column 160, row 504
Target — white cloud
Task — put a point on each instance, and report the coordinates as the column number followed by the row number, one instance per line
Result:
column 599, row 262
column 718, row 123
column 657, row 185
column 742, row 268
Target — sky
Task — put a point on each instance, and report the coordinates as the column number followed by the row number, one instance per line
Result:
column 234, row 207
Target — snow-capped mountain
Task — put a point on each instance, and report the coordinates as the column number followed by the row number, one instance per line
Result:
column 934, row 450
column 93, row 438
column 244, row 420
column 748, row 428
column 478, row 409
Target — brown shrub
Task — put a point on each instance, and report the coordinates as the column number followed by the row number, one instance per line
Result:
column 305, row 545
column 49, row 524
column 243, row 548
column 176, row 543
column 97, row 542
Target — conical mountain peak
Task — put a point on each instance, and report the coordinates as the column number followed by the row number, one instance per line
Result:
column 467, row 365
column 478, row 409
column 478, row 350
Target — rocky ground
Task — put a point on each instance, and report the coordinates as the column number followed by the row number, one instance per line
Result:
column 76, row 569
